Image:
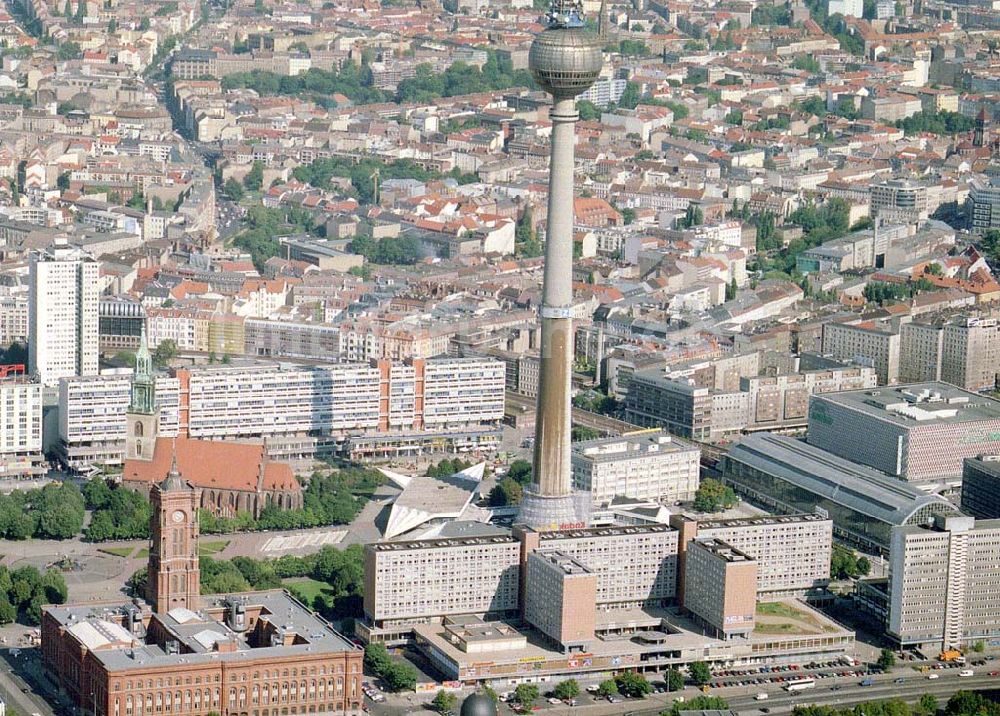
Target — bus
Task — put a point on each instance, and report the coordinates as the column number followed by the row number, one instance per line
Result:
column 800, row 684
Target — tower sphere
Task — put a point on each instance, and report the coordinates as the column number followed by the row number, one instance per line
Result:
column 478, row 705
column 565, row 61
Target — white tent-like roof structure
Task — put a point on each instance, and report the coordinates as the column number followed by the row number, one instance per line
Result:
column 425, row 499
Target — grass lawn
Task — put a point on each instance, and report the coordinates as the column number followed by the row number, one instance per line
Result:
column 142, row 553
column 308, row 589
column 780, row 609
column 783, row 618
column 207, row 549
column 116, row 551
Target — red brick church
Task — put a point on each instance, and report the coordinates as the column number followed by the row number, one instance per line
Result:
column 232, row 477
column 178, row 652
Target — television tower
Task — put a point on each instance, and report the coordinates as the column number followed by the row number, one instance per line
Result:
column 564, row 60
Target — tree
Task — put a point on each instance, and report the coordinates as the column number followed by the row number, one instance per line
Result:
column 693, row 217
column 864, row 566
column 566, row 690
column 606, row 688
column 165, row 352
column 233, row 189
column 731, row 289
column 700, row 703
column 444, row 702
column 713, row 496
column 254, row 179
column 506, row 492
column 674, row 680
column 400, row 677
column 7, row 611
column 630, row 96
column 588, row 110
column 633, row 684
column 520, row 471
column 628, row 215
column 700, row 673
column 886, row 660
column 928, row 704
column 526, row 695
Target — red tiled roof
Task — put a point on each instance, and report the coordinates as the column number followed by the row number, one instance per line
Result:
column 209, row 464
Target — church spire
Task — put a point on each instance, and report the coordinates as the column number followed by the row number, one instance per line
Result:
column 143, row 386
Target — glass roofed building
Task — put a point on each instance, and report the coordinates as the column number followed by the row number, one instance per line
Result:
column 790, row 476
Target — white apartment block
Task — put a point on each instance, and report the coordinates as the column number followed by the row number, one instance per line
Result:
column 792, row 551
column 647, row 466
column 461, row 391
column 13, row 319
column 243, row 401
column 866, row 344
column 944, row 583
column 63, row 292
column 635, row 566
column 92, row 410
column 20, row 427
column 964, row 351
column 251, row 400
column 411, row 582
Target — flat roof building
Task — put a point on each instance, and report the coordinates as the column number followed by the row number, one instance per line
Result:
column 981, row 487
column 644, row 466
column 790, row 476
column 410, row 582
column 560, row 599
column 635, row 566
column 919, row 432
column 944, row 583
column 721, row 587
column 792, row 551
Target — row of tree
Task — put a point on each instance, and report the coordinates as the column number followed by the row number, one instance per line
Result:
column 24, row 590
column 315, row 84
column 341, row 570
column 461, row 79
column 396, row 675
column 55, row 511
column 332, row 498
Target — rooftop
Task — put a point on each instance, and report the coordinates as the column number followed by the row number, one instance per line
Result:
column 634, row 445
column 825, row 475
column 723, row 550
column 761, row 520
column 914, row 403
column 198, row 634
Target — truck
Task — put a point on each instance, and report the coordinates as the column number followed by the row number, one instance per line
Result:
column 950, row 655
column 762, row 696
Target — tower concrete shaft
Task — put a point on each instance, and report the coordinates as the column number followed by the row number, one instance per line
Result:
column 553, row 424
column 564, row 60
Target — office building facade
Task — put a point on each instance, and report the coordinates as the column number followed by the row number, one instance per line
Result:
column 983, row 205
column 981, row 487
column 20, row 427
column 721, row 587
column 294, row 407
column 645, row 466
column 919, row 432
column 862, row 343
column 792, row 551
column 945, row 583
column 63, row 290
column 411, row 582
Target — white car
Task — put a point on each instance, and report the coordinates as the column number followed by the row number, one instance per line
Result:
column 554, row 701
column 933, row 676
column 967, row 672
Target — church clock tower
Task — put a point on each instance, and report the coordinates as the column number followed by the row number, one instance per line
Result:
column 142, row 417
column 173, row 579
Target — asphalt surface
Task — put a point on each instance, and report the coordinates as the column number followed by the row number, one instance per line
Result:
column 903, row 682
